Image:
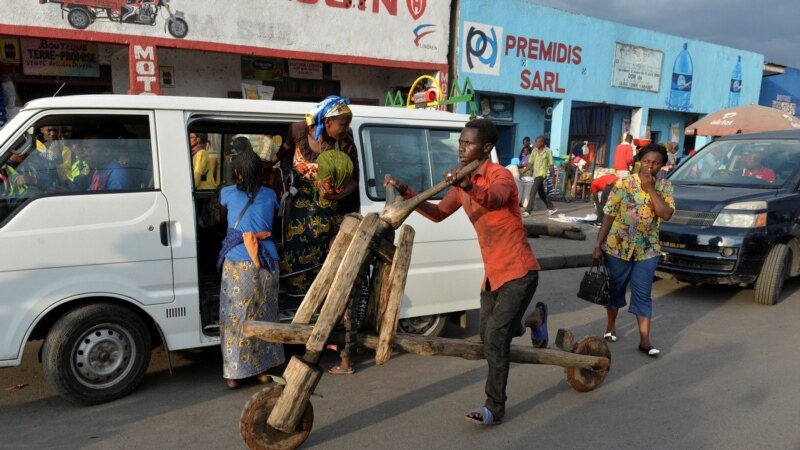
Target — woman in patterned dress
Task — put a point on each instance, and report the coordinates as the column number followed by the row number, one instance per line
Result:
column 628, row 241
column 249, row 263
column 318, row 205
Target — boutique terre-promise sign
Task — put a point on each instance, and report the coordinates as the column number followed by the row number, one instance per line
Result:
column 59, row 58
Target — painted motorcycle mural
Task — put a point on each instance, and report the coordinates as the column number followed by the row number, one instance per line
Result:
column 82, row 13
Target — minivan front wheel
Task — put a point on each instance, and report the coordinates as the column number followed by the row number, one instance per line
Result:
column 96, row 353
column 773, row 273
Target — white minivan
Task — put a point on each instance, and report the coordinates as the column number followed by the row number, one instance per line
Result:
column 104, row 275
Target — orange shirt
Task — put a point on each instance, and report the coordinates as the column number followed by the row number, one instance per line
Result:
column 600, row 183
column 623, row 156
column 492, row 206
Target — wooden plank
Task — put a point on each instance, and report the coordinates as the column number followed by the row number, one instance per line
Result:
column 334, row 306
column 397, row 286
column 301, row 380
column 319, row 287
column 429, row 346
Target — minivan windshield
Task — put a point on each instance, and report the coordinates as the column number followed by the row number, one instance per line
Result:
column 741, row 163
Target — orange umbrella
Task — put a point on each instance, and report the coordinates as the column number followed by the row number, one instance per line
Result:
column 743, row 119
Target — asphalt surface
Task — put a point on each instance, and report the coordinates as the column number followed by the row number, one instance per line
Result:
column 726, row 379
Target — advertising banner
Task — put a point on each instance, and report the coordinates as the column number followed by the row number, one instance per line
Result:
column 407, row 33
column 637, row 67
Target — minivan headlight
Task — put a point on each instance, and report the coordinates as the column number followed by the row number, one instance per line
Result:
column 743, row 215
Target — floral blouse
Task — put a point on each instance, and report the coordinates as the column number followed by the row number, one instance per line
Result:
column 634, row 233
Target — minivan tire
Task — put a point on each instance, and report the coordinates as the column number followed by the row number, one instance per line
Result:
column 96, row 353
column 773, row 273
column 431, row 326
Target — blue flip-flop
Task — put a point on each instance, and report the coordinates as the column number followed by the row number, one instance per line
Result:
column 488, row 417
column 540, row 333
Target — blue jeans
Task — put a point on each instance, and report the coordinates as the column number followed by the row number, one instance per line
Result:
column 501, row 316
column 640, row 276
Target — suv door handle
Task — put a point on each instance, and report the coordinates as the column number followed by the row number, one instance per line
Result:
column 164, row 234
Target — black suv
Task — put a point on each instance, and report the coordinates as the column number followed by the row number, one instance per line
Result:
column 737, row 214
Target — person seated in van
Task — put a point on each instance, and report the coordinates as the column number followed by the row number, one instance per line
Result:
column 31, row 173
column 249, row 264
column 753, row 167
column 106, row 172
column 202, row 169
column 316, row 214
column 76, row 173
column 489, row 198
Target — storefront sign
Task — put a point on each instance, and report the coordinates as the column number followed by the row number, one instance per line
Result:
column 59, row 58
column 143, row 70
column 785, row 104
column 637, row 68
column 305, row 69
column 9, row 50
column 263, row 69
column 403, row 33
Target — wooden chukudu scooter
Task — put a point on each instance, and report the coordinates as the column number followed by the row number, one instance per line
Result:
column 281, row 417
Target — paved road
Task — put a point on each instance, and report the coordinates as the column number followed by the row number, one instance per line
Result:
column 727, row 378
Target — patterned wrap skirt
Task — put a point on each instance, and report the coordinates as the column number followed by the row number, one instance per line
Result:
column 247, row 293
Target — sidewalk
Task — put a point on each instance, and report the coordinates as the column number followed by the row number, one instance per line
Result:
column 561, row 253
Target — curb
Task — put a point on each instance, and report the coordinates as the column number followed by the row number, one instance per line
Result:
column 565, row 261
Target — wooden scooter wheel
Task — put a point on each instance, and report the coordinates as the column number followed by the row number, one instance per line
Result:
column 258, row 435
column 585, row 380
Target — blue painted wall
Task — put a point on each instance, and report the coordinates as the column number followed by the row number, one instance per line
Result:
column 581, row 65
column 782, row 91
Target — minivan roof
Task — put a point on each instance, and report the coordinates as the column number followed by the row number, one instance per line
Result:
column 203, row 104
column 782, row 134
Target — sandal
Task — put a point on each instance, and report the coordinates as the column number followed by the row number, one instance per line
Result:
column 650, row 351
column 539, row 335
column 337, row 369
column 610, row 336
column 482, row 416
column 264, row 377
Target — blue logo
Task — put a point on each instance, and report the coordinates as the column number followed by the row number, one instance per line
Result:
column 481, row 50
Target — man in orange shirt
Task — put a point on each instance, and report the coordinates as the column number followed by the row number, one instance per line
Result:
column 490, row 199
column 623, row 157
column 600, row 187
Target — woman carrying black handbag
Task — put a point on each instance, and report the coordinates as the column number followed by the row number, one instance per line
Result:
column 627, row 241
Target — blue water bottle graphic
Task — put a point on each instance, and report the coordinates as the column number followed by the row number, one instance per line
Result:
column 736, row 84
column 680, row 94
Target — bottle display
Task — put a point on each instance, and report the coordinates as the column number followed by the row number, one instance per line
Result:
column 680, row 94
column 736, row 84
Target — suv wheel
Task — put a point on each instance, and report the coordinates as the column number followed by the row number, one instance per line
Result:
column 773, row 273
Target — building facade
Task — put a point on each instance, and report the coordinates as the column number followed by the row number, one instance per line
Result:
column 573, row 78
column 281, row 49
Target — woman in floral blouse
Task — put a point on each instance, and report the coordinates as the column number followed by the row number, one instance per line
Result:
column 628, row 241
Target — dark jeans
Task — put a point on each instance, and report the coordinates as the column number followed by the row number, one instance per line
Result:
column 501, row 315
column 538, row 188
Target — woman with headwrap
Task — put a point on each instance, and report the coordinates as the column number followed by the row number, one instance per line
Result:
column 325, row 169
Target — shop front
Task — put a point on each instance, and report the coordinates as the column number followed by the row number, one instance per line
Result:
column 290, row 50
column 584, row 83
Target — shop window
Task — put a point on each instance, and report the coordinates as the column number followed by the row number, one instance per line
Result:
column 76, row 154
column 415, row 156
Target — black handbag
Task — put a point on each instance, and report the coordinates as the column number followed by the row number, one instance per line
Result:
column 596, row 285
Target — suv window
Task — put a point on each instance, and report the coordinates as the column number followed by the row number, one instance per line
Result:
column 756, row 163
column 417, row 157
column 76, row 154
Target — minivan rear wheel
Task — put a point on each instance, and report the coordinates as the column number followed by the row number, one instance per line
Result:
column 96, row 353
column 432, row 325
column 773, row 273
